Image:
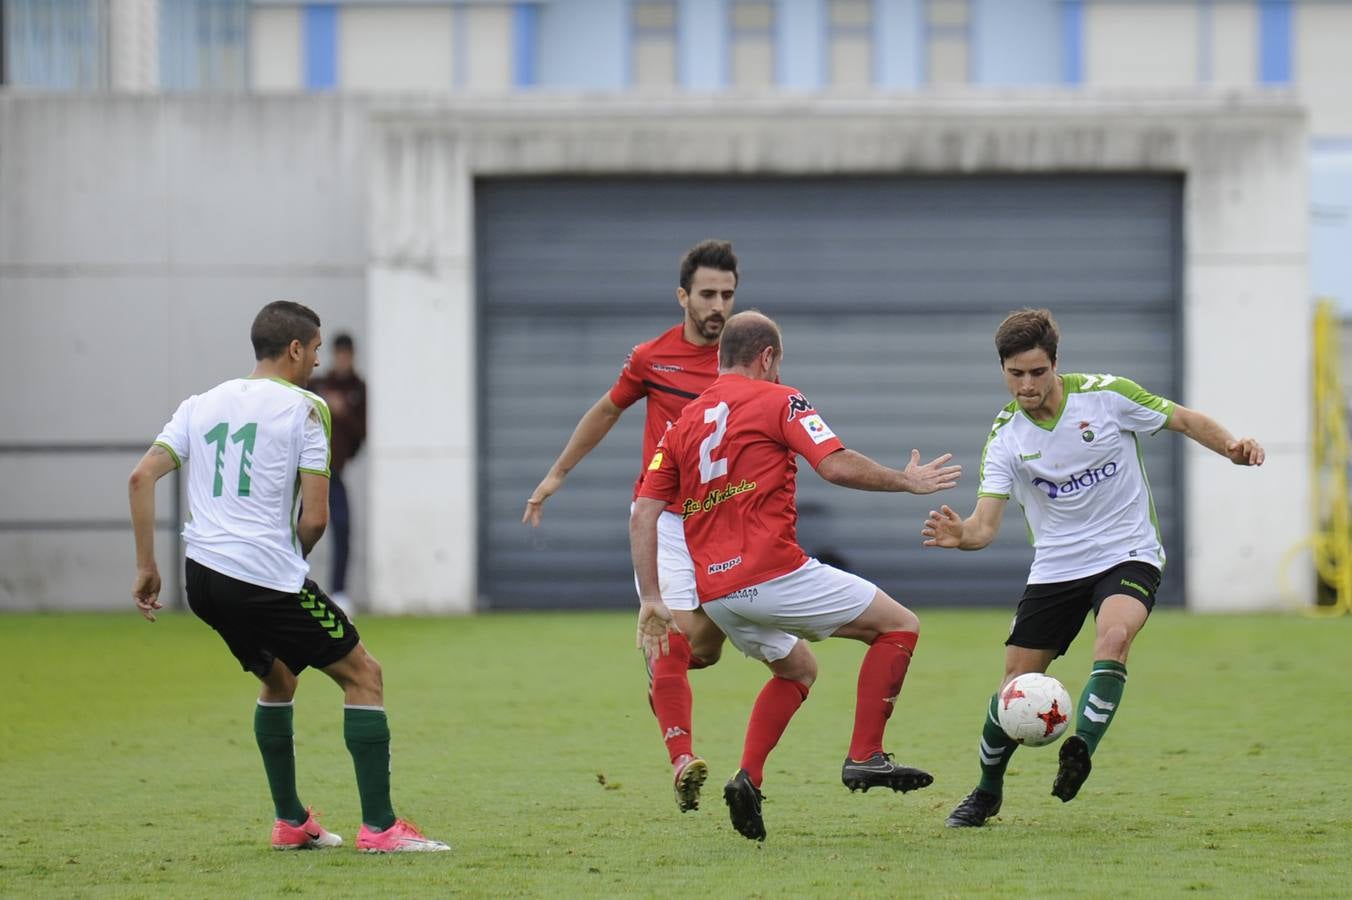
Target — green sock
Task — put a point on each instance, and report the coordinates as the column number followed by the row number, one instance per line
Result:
column 1099, row 701
column 367, row 734
column 272, row 728
column 996, row 750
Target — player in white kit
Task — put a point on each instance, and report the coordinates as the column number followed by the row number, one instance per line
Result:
column 258, row 454
column 1067, row 450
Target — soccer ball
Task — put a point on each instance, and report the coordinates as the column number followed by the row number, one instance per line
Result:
column 1034, row 709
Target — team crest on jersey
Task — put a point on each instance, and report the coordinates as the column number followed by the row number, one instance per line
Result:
column 1086, row 434
column 817, row 429
column 798, row 404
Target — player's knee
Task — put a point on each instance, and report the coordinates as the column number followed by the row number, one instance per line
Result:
column 1113, row 642
column 907, row 620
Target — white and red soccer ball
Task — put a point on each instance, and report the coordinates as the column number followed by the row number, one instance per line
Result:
column 1035, row 709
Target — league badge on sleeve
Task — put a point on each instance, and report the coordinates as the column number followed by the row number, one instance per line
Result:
column 817, row 429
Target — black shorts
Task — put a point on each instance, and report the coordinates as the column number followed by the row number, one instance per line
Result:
column 1050, row 615
column 261, row 624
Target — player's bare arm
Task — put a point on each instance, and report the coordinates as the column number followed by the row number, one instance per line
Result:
column 594, row 425
column 849, row 468
column 655, row 621
column 1211, row 434
column 314, row 510
column 945, row 528
column 154, row 465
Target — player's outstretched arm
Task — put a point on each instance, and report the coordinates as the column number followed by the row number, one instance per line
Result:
column 156, row 463
column 1211, row 434
column 849, row 468
column 945, row 528
column 594, row 425
column 655, row 621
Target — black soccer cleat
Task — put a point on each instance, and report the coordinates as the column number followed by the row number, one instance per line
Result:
column 744, row 806
column 974, row 810
column 1074, row 768
column 879, row 770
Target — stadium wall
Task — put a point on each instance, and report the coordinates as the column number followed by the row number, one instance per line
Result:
column 138, row 234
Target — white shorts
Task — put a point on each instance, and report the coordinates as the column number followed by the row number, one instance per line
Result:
column 765, row 621
column 675, row 570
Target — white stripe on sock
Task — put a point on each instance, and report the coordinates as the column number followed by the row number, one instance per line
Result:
column 1092, row 716
column 272, row 703
column 372, row 708
column 1100, row 703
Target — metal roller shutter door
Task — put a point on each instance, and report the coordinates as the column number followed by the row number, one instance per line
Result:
column 888, row 291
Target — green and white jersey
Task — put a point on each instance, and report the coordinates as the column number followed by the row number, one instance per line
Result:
column 247, row 441
column 1080, row 478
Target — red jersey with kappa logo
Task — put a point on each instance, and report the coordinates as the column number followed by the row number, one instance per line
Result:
column 670, row 371
column 729, row 464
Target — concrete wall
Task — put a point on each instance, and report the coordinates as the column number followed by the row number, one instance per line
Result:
column 1245, row 278
column 138, row 236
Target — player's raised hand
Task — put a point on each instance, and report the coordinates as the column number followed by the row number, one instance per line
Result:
column 943, row 528
column 935, row 475
column 655, row 624
column 1245, row 452
column 146, row 591
column 543, row 491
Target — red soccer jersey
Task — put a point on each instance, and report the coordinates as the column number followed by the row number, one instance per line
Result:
column 729, row 465
column 670, row 371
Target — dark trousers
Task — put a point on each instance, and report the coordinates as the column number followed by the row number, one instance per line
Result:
column 340, row 528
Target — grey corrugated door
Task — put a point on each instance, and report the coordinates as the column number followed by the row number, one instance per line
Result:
column 888, row 290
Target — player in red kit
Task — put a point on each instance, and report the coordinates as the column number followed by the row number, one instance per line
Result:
column 670, row 371
column 729, row 464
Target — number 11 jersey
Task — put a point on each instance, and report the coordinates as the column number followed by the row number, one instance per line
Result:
column 248, row 440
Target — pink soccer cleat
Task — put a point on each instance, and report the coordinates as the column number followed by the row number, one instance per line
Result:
column 309, row 835
column 401, row 837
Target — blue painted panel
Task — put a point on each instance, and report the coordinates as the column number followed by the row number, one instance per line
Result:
column 1016, row 42
column 900, row 60
column 801, row 44
column 702, row 44
column 523, row 31
column 1274, row 41
column 1331, row 221
column 583, row 44
column 1072, row 42
column 321, row 46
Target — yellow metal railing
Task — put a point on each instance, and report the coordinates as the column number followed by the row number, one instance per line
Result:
column 1331, row 540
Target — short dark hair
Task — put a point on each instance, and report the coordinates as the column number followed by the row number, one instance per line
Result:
column 1025, row 329
column 278, row 324
column 709, row 254
column 343, row 342
column 744, row 336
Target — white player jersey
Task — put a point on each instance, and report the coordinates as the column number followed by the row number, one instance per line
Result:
column 1080, row 478
column 248, row 440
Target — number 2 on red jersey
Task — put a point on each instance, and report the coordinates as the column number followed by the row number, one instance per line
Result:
column 710, row 468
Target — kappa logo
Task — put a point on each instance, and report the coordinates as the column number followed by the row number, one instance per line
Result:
column 798, row 404
column 674, row 731
column 715, row 568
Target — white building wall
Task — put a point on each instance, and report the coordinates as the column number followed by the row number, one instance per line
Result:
column 276, row 51
column 489, row 48
column 1234, row 44
column 396, row 48
column 1140, row 45
column 134, row 45
column 1323, row 65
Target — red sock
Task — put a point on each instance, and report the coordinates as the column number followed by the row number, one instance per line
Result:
column 670, row 696
column 778, row 701
column 880, row 677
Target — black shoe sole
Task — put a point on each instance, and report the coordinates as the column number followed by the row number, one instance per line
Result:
column 742, row 809
column 1073, row 770
column 901, row 781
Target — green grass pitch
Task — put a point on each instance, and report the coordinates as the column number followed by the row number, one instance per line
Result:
column 129, row 768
